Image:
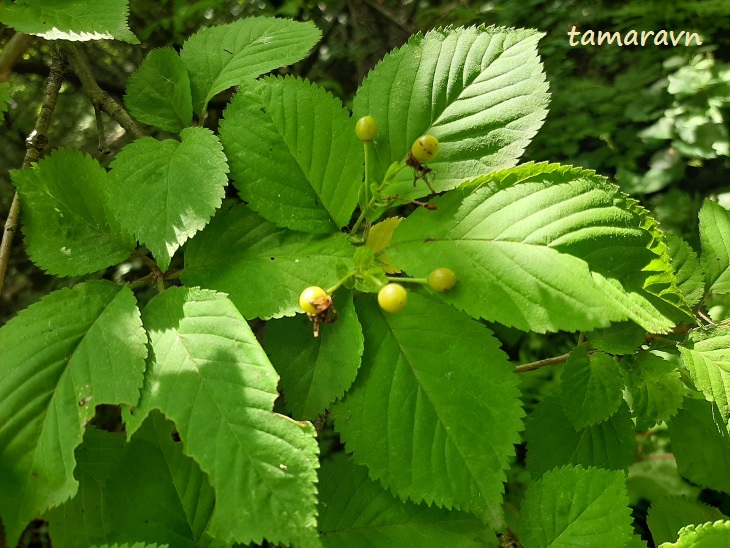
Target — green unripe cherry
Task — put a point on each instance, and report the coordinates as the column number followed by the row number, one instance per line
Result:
column 425, row 149
column 392, row 298
column 366, row 128
column 442, row 279
column 312, row 299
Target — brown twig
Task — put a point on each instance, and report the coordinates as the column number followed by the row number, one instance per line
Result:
column 35, row 143
column 100, row 98
column 542, row 363
column 13, row 50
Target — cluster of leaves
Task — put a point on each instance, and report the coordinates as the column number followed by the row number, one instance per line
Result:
column 425, row 400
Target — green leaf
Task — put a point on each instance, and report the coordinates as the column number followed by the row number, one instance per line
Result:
column 5, row 96
column 146, row 489
column 159, row 92
column 75, row 20
column 166, row 191
column 209, row 375
column 708, row 535
column 552, row 441
column 315, row 371
column 435, row 411
column 67, row 219
column 356, row 512
column 127, row 545
column 689, row 271
column 486, row 99
column 224, row 56
column 379, row 237
column 654, row 389
column 700, row 445
column 262, row 268
column 668, row 515
column 537, row 255
column 619, row 338
column 591, row 388
column 706, row 353
column 574, row 506
column 59, row 358
column 715, row 235
column 294, row 154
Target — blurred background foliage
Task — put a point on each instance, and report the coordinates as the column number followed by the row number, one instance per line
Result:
column 653, row 118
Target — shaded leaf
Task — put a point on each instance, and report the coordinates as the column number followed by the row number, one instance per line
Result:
column 655, row 389
column 166, row 191
column 715, row 235
column 159, row 92
column 552, row 441
column 208, row 374
column 700, row 445
column 315, row 371
column 67, row 219
column 619, row 338
column 590, row 387
column 146, row 489
column 294, row 155
column 357, row 512
column 262, row 268
column 59, row 358
column 574, row 506
column 435, row 410
column 668, row 515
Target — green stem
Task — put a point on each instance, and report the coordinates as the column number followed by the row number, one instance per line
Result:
column 422, row 281
column 339, row 284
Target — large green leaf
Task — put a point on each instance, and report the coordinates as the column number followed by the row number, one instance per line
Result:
column 356, row 512
column 209, row 375
column 552, row 441
column 68, row 224
column 715, row 234
column 574, row 506
column 480, row 90
column 686, row 264
column 669, row 514
column 159, row 92
column 700, row 445
column 294, row 154
column 59, row 358
column 707, row 535
column 706, row 353
column 224, row 56
column 315, row 371
column 539, row 253
column 166, row 191
column 262, row 268
column 435, row 410
column 76, row 20
column 590, row 387
column 654, row 388
column 147, row 489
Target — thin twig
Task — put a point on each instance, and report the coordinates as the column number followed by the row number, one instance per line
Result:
column 35, row 143
column 542, row 363
column 100, row 98
column 103, row 147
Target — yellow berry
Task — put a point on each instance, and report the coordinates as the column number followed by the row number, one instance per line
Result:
column 392, row 298
column 425, row 149
column 366, row 128
column 311, row 298
column 442, row 279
